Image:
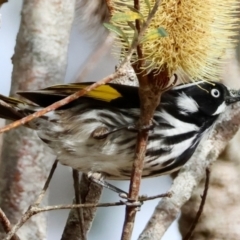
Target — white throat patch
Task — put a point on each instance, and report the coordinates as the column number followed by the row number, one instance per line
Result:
column 187, row 104
column 221, row 108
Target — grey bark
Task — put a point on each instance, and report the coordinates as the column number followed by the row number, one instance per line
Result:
column 39, row 60
column 191, row 173
column 220, row 218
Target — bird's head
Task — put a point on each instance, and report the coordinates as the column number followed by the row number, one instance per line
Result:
column 211, row 98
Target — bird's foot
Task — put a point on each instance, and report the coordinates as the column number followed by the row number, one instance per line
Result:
column 99, row 179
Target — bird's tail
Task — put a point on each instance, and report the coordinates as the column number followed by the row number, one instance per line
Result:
column 13, row 109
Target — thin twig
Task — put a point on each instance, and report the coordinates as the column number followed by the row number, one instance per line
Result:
column 145, row 198
column 135, row 185
column 7, row 225
column 35, row 209
column 145, row 120
column 46, row 185
column 78, row 201
column 148, row 21
column 62, row 102
column 75, row 175
column 200, row 210
column 138, row 27
column 76, row 219
column 39, row 60
column 120, row 72
column 90, row 193
column 191, row 173
column 29, row 212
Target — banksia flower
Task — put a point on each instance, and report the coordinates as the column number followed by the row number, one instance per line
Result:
column 197, row 34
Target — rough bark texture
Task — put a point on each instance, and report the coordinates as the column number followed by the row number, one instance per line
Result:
column 220, row 218
column 39, row 60
column 129, row 79
column 90, row 193
column 191, row 173
column 2, row 123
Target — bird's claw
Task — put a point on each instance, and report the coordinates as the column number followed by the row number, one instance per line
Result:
column 131, row 203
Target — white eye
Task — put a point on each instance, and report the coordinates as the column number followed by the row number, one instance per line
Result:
column 215, row 93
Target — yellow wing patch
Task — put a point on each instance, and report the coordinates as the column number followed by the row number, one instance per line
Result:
column 104, row 92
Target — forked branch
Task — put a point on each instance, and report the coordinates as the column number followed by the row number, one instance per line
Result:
column 191, row 173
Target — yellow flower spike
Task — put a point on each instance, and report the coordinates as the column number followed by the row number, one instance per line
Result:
column 198, row 33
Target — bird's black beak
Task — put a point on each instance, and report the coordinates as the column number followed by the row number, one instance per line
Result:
column 233, row 97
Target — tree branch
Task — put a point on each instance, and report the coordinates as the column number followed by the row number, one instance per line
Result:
column 149, row 97
column 200, row 210
column 36, row 204
column 6, row 224
column 191, row 174
column 35, row 209
column 39, row 60
column 90, row 193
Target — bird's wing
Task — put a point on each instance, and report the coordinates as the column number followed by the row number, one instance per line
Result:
column 116, row 95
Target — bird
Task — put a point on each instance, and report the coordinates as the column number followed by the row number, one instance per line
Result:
column 96, row 134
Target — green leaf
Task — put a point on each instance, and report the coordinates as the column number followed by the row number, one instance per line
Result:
column 117, row 30
column 148, row 5
column 162, row 32
column 136, row 11
column 154, row 33
column 128, row 16
column 132, row 26
column 135, row 32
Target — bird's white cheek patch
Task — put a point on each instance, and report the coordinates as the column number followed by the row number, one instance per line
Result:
column 220, row 109
column 187, row 104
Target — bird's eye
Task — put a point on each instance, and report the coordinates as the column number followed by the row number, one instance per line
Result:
column 215, row 93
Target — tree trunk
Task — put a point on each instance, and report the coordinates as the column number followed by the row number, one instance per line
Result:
column 220, row 218
column 39, row 60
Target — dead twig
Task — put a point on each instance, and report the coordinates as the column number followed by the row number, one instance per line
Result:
column 28, row 213
column 62, row 102
column 75, row 225
column 90, row 205
column 120, row 72
column 35, row 209
column 78, row 201
column 7, row 225
column 200, row 210
column 191, row 173
column 150, row 100
column 39, row 60
column 90, row 193
column 45, row 187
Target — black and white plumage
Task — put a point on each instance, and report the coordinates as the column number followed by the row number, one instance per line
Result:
column 93, row 133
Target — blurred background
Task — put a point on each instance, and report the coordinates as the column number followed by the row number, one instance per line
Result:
column 109, row 221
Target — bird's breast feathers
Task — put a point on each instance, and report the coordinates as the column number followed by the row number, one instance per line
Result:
column 70, row 136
